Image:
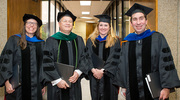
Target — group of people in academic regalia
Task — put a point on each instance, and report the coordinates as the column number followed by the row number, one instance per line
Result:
column 142, row 52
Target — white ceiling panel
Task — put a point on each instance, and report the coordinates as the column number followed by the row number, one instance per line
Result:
column 97, row 7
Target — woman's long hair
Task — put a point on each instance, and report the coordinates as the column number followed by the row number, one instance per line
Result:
column 22, row 41
column 110, row 40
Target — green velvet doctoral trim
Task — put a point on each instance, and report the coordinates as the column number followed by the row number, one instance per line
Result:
column 65, row 52
column 62, row 36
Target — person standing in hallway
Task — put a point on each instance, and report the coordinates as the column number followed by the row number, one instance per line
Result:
column 23, row 50
column 145, row 52
column 68, row 48
column 103, row 43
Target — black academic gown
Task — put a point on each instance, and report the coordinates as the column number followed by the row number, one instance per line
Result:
column 138, row 58
column 67, row 56
column 29, row 61
column 103, row 89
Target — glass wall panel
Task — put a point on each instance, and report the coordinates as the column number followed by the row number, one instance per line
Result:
column 44, row 14
column 114, row 16
column 115, row 10
column 126, row 18
column 49, row 13
column 123, row 20
column 52, row 17
column 120, row 19
column 57, row 10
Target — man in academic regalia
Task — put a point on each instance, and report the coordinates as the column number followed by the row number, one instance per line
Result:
column 144, row 52
column 68, row 48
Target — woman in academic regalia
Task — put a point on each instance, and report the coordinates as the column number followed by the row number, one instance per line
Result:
column 103, row 43
column 23, row 52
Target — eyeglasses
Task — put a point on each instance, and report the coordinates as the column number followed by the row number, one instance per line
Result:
column 66, row 21
column 31, row 23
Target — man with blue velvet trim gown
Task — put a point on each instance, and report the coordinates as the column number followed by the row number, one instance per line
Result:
column 68, row 48
column 145, row 52
column 23, row 50
column 103, row 43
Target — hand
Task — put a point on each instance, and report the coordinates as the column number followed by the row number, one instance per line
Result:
column 123, row 91
column 43, row 91
column 74, row 78
column 9, row 88
column 94, row 71
column 97, row 73
column 62, row 84
column 164, row 94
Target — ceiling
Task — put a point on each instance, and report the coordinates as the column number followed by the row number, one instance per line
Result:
column 96, row 7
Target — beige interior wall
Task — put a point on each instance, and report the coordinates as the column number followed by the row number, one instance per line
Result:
column 168, row 24
column 89, row 29
column 3, row 23
column 80, row 29
column 178, row 44
column 3, row 33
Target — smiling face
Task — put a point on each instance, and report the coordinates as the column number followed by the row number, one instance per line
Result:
column 139, row 22
column 103, row 28
column 31, row 26
column 66, row 24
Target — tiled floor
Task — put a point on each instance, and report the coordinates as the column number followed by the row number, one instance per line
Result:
column 1, row 98
column 85, row 89
column 85, row 92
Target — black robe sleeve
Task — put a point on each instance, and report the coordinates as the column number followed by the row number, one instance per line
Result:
column 113, row 59
column 82, row 64
column 89, row 51
column 48, row 72
column 6, row 60
column 121, row 72
column 168, row 73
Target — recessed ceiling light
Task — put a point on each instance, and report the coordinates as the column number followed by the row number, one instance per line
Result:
column 85, row 13
column 119, row 17
column 86, row 17
column 85, row 3
column 90, row 22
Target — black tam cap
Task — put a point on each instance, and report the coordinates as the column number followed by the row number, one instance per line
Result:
column 104, row 18
column 30, row 16
column 138, row 8
column 66, row 13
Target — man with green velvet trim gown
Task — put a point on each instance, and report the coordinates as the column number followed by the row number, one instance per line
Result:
column 68, row 48
column 144, row 52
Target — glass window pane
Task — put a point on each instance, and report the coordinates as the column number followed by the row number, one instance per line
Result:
column 52, row 17
column 114, row 17
column 126, row 18
column 44, row 14
column 57, row 11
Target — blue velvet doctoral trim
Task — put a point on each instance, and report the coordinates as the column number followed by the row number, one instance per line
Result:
column 101, row 39
column 134, row 36
column 33, row 39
